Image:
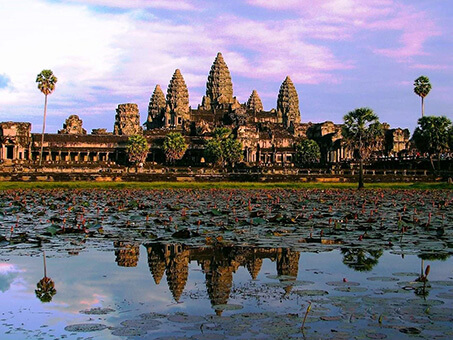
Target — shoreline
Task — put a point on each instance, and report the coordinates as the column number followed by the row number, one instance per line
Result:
column 221, row 185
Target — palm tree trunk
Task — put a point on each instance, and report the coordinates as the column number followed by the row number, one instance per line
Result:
column 423, row 106
column 44, row 260
column 361, row 174
column 43, row 129
column 360, row 165
column 432, row 163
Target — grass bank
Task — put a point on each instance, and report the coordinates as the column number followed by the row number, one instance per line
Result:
column 216, row 185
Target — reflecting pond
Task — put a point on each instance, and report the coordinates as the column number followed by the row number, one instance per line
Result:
column 233, row 264
column 176, row 291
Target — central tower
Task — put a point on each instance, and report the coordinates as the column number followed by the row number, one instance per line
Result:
column 219, row 88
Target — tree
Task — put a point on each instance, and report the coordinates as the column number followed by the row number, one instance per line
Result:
column 137, row 149
column 433, row 136
column 46, row 84
column 45, row 288
column 175, row 146
column 307, row 151
column 422, row 86
column 361, row 259
column 362, row 132
column 223, row 147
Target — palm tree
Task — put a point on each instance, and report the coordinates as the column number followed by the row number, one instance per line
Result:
column 45, row 288
column 422, row 86
column 46, row 84
column 362, row 132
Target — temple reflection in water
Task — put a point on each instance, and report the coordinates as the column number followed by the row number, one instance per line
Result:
column 217, row 263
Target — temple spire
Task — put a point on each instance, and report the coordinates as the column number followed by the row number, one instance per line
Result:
column 254, row 103
column 288, row 104
column 156, row 109
column 178, row 109
column 219, row 88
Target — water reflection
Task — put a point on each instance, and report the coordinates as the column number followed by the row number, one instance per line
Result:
column 218, row 265
column 126, row 253
column 45, row 288
column 361, row 259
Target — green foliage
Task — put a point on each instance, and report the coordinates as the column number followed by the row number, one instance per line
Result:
column 46, row 81
column 422, row 86
column 77, row 185
column 223, row 148
column 450, row 138
column 175, row 146
column 45, row 289
column 433, row 135
column 137, row 149
column 362, row 131
column 360, row 259
column 307, row 151
column 46, row 84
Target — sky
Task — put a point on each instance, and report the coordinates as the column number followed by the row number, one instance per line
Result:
column 340, row 54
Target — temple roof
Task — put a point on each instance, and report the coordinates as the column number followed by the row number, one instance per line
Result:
column 219, row 88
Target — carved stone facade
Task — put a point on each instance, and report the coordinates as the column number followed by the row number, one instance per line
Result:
column 73, row 126
column 177, row 110
column 288, row 104
column 15, row 141
column 396, row 140
column 219, row 88
column 254, row 103
column 268, row 137
column 127, row 120
column 156, row 109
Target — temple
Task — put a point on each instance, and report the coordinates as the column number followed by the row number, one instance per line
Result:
column 267, row 137
column 218, row 265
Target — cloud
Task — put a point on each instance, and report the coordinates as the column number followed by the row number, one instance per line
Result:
column 350, row 18
column 8, row 272
column 429, row 67
column 279, row 49
column 181, row 5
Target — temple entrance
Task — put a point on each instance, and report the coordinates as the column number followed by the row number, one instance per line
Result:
column 9, row 151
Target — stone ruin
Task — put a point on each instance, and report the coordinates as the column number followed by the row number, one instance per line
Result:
column 156, row 109
column 288, row 104
column 177, row 109
column 267, row 137
column 219, row 88
column 127, row 120
column 73, row 126
column 254, row 103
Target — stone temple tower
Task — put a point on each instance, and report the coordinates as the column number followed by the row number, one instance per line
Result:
column 156, row 109
column 254, row 103
column 177, row 110
column 219, row 88
column 288, row 111
column 127, row 120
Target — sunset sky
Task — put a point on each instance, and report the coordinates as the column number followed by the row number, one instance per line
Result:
column 341, row 54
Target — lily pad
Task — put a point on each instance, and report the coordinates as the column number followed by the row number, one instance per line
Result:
column 97, row 311
column 382, row 278
column 85, row 327
column 312, row 292
column 185, row 318
column 346, row 289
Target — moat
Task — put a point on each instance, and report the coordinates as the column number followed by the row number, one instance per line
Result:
column 215, row 264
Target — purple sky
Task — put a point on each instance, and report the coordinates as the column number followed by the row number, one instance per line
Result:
column 341, row 54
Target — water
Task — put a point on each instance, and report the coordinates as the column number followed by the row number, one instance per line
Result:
column 125, row 289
